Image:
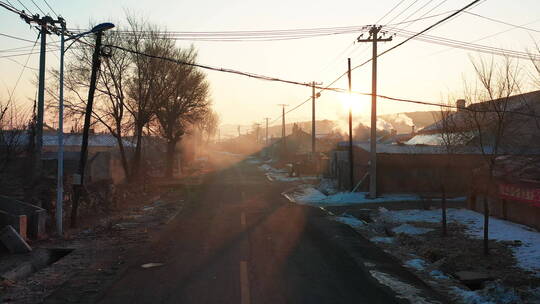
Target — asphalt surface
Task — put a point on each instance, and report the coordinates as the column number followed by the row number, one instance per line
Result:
column 242, row 242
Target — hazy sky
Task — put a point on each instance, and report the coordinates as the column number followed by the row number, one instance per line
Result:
column 416, row 70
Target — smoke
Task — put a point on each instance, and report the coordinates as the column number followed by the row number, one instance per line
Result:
column 384, row 125
column 404, row 119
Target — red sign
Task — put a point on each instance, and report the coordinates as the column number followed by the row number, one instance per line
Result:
column 519, row 193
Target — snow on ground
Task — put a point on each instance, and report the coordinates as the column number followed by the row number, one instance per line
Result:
column 253, row 161
column 229, row 153
column 493, row 293
column 382, row 239
column 350, row 220
column 437, row 274
column 527, row 254
column 403, row 289
column 417, row 264
column 312, row 196
column 282, row 175
column 410, row 229
column 328, row 186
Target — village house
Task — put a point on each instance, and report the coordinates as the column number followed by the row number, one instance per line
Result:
column 451, row 155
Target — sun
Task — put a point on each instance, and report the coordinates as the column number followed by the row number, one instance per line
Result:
column 358, row 104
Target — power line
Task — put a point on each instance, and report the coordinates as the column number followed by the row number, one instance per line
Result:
column 207, row 67
column 407, row 8
column 52, row 10
column 503, row 22
column 16, row 38
column 430, row 27
column 21, row 64
column 429, row 11
column 20, row 74
column 10, row 8
column 417, row 10
column 24, row 6
column 464, row 45
column 389, row 12
column 24, row 54
column 39, row 8
column 403, row 42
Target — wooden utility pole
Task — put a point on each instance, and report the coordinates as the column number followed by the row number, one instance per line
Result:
column 266, row 141
column 351, row 159
column 374, row 39
column 313, row 97
column 45, row 25
column 96, row 62
column 283, row 137
column 257, row 132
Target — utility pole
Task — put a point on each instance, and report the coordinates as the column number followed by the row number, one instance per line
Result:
column 257, row 132
column 45, row 25
column 351, row 159
column 283, row 137
column 266, row 141
column 313, row 97
column 41, row 85
column 374, row 39
column 96, row 62
column 60, row 159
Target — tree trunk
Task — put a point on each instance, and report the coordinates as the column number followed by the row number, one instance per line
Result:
column 169, row 165
column 443, row 208
column 136, row 163
column 123, row 158
column 486, row 225
column 77, row 193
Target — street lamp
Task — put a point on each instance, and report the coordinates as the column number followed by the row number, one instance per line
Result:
column 98, row 29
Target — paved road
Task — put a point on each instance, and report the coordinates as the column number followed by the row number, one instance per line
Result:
column 242, row 242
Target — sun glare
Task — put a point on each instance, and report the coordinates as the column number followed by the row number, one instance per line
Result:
column 358, row 104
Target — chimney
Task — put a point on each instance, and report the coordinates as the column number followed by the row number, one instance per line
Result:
column 460, row 104
column 413, row 131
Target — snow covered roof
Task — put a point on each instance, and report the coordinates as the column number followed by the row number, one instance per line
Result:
column 438, row 139
column 518, row 103
column 409, row 149
column 70, row 139
column 94, row 140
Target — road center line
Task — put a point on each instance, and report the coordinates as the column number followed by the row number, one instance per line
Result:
column 243, row 219
column 244, row 283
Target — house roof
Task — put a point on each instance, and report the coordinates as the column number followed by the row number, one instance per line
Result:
column 526, row 103
column 94, row 140
column 409, row 149
column 522, row 168
column 50, row 139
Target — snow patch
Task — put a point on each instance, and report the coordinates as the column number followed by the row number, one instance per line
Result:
column 527, row 254
column 328, row 186
column 417, row 264
column 311, row 196
column 411, row 230
column 437, row 274
column 350, row 220
column 382, row 239
column 404, row 290
column 282, row 175
column 494, row 293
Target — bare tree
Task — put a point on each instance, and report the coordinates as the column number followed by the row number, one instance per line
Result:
column 181, row 98
column 452, row 139
column 146, row 84
column 208, row 125
column 110, row 101
column 493, row 121
column 13, row 122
